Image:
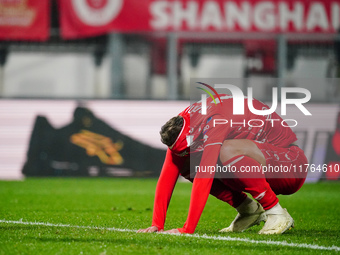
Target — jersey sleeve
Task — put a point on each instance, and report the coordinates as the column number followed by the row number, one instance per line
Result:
column 201, row 189
column 165, row 186
column 213, row 138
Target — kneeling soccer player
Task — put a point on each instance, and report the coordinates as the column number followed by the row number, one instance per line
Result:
column 239, row 142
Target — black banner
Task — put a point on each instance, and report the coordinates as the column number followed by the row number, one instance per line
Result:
column 88, row 147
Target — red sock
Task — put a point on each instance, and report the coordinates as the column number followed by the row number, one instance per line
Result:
column 254, row 184
column 226, row 194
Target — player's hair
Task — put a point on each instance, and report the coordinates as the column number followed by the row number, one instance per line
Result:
column 171, row 129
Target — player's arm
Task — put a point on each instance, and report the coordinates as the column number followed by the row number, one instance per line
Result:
column 201, row 189
column 164, row 189
column 203, row 180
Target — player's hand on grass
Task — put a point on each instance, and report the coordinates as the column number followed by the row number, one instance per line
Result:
column 172, row 231
column 151, row 229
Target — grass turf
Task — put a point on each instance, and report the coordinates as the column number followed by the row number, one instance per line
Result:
column 127, row 204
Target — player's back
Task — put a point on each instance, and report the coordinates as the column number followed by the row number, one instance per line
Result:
column 264, row 128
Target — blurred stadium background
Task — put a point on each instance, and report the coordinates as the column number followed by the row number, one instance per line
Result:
column 83, row 83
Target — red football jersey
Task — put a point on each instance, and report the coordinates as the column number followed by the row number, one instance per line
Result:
column 206, row 134
column 220, row 124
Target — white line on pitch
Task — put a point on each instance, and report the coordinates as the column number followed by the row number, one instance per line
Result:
column 219, row 238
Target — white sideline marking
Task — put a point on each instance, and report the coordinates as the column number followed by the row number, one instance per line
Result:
column 219, row 238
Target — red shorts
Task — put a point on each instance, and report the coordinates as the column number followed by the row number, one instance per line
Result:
column 286, row 170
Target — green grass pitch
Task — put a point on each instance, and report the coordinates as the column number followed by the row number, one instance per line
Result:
column 75, row 207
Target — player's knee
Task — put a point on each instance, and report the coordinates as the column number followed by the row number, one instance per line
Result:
column 234, row 148
column 230, row 149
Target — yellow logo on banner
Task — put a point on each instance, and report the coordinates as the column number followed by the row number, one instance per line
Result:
column 99, row 145
column 16, row 13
